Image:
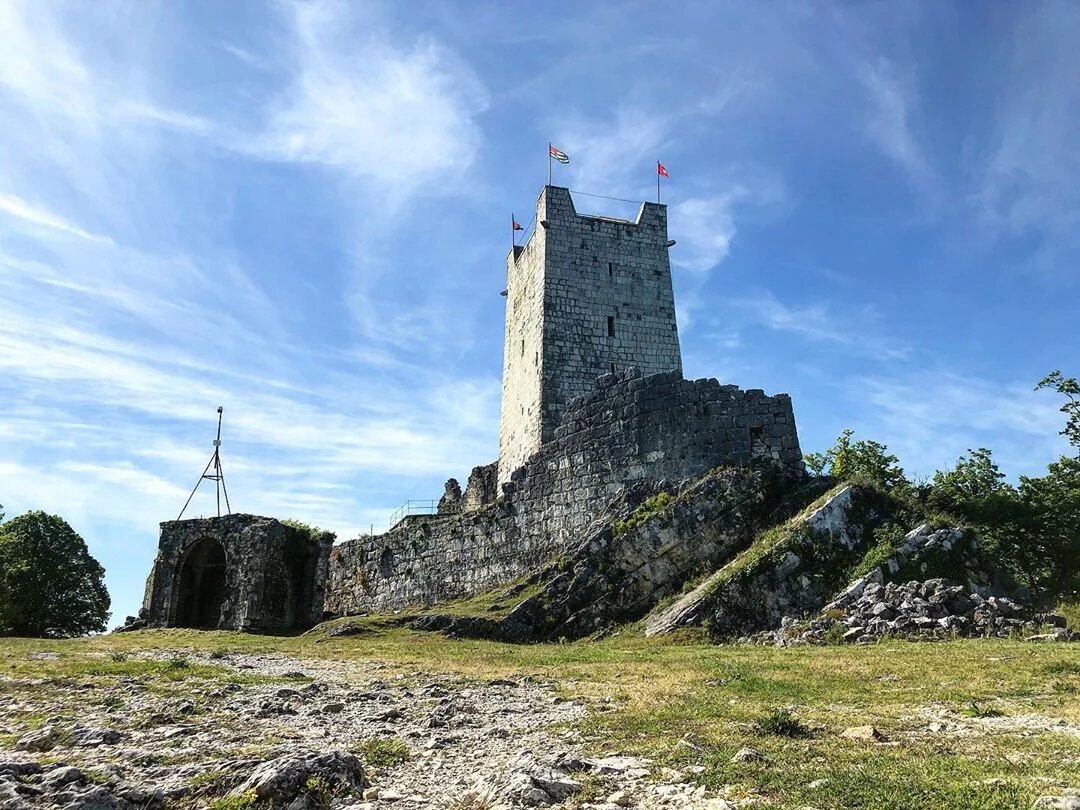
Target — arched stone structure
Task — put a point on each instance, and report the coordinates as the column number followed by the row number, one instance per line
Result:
column 202, row 581
column 237, row 572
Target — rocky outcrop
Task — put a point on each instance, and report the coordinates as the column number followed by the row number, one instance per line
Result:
column 927, row 553
column 931, row 609
column 313, row 779
column 624, row 567
column 791, row 569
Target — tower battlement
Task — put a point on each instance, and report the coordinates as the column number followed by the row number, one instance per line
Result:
column 586, row 296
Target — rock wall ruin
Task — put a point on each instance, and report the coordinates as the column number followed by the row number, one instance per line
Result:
column 237, row 572
column 630, row 430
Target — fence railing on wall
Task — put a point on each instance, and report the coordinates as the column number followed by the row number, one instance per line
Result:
column 413, row 508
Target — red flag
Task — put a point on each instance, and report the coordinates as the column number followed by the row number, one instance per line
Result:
column 660, row 170
column 517, row 227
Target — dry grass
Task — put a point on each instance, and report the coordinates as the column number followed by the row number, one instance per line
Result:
column 684, row 702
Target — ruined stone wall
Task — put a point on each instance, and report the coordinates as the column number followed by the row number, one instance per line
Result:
column 586, row 296
column 631, row 429
column 237, row 572
column 482, row 488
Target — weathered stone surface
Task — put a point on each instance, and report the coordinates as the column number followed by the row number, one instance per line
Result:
column 236, row 572
column 451, row 501
column 282, row 780
column 585, row 296
column 792, row 577
column 929, row 609
column 631, row 431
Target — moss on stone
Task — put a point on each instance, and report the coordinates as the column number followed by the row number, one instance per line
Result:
column 651, row 506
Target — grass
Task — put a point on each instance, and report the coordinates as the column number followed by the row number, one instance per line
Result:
column 650, row 507
column 380, row 752
column 782, row 723
column 685, row 702
column 493, row 604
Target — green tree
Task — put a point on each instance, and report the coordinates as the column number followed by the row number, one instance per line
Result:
column 974, row 489
column 1070, row 388
column 50, row 586
column 863, row 459
column 1051, row 526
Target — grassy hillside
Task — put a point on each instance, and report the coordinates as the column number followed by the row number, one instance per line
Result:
column 989, row 724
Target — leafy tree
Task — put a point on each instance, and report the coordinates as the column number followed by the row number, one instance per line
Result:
column 1071, row 389
column 863, row 458
column 1052, row 526
column 50, row 586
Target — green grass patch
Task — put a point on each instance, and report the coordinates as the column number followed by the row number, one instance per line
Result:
column 648, row 509
column 782, row 723
column 383, row 752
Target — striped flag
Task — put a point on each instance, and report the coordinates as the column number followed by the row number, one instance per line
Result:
column 562, row 157
column 661, row 169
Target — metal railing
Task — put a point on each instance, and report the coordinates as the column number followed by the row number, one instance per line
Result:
column 413, row 508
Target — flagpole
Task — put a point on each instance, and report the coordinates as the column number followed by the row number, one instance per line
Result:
column 658, row 182
column 549, row 163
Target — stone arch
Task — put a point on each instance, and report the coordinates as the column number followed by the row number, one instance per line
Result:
column 201, row 582
column 289, row 585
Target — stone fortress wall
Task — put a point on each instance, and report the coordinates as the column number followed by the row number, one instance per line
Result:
column 586, row 296
column 629, row 429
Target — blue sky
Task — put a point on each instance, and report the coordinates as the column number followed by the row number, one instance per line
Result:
column 300, row 211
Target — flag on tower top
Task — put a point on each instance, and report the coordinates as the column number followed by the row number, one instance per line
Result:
column 517, row 225
column 661, row 169
column 562, row 157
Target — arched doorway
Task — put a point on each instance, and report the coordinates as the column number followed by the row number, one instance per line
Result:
column 202, row 585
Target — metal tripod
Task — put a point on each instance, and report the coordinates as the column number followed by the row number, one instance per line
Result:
column 217, row 476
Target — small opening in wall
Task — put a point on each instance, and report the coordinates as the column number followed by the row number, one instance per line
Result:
column 757, row 441
column 536, row 358
column 612, row 368
column 610, row 269
column 523, row 347
column 611, row 326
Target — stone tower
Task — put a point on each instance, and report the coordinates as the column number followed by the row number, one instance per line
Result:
column 586, row 296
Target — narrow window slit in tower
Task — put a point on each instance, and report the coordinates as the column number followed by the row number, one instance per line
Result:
column 611, row 326
column 610, row 269
column 523, row 347
column 612, row 368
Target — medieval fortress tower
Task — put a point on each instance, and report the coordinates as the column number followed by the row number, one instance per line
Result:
column 594, row 410
column 586, row 296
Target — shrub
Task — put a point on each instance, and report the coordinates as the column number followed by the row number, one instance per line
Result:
column 782, row 723
column 245, row 801
column 383, row 752
column 176, row 662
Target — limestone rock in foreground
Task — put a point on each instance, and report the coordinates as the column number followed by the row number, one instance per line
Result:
column 281, row 781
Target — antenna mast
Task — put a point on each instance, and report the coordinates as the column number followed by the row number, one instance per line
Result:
column 217, row 476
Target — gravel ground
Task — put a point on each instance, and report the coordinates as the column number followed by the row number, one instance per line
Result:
column 313, row 733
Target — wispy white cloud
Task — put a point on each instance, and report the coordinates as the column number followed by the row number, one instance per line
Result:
column 857, row 329
column 1026, row 174
column 401, row 115
column 892, row 101
column 20, row 209
column 930, row 418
